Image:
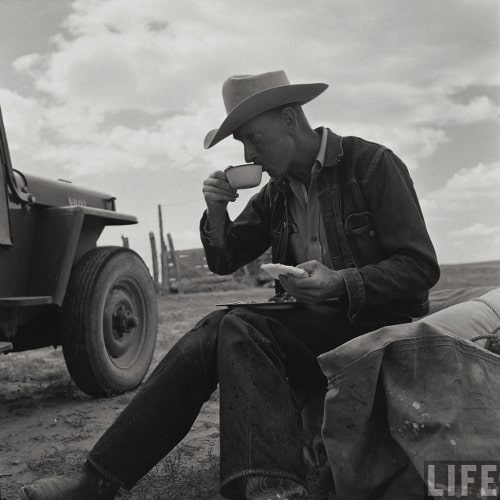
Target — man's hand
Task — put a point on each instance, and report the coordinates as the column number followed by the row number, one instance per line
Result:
column 218, row 193
column 323, row 283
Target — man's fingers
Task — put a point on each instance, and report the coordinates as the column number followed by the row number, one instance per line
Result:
column 217, row 180
column 301, row 283
column 310, row 295
column 289, row 283
column 285, row 283
column 217, row 190
column 218, row 174
column 219, row 184
column 216, row 195
column 310, row 265
column 307, row 284
column 220, row 196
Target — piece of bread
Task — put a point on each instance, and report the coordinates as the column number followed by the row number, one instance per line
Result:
column 275, row 270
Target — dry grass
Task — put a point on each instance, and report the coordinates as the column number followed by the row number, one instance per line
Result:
column 468, row 275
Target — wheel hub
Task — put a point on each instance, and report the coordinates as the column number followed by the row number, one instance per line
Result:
column 123, row 321
column 122, row 326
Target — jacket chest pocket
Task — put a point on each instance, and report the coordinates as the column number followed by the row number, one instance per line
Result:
column 363, row 238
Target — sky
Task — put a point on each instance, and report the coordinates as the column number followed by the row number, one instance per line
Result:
column 118, row 95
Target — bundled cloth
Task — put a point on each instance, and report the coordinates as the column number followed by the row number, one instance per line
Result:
column 407, row 395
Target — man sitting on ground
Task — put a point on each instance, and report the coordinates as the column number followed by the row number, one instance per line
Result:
column 344, row 210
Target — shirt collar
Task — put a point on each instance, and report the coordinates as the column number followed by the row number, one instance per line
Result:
column 320, row 159
column 334, row 150
column 298, row 189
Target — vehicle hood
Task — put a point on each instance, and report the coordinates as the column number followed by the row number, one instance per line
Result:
column 61, row 193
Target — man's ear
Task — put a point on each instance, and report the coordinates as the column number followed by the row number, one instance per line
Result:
column 290, row 119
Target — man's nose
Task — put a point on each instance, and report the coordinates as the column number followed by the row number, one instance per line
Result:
column 250, row 154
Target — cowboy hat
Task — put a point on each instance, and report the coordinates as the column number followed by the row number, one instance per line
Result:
column 246, row 96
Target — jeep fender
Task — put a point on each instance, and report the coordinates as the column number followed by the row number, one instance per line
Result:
column 63, row 236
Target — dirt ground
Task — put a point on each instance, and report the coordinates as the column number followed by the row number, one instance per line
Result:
column 47, row 425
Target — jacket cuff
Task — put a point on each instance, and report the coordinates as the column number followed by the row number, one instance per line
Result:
column 212, row 237
column 355, row 291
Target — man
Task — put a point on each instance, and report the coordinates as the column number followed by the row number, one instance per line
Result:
column 343, row 209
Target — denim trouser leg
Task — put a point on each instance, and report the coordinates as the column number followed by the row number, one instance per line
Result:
column 259, row 420
column 255, row 358
column 164, row 408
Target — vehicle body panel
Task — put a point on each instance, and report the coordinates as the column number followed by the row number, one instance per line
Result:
column 5, row 237
column 46, row 227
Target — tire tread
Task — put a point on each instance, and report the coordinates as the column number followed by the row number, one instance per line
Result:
column 79, row 293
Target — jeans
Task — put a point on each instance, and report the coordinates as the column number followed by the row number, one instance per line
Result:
column 262, row 362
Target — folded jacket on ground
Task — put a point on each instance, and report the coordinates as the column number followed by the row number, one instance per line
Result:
column 408, row 394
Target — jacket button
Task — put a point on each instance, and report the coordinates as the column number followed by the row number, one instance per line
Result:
column 314, row 238
column 372, row 233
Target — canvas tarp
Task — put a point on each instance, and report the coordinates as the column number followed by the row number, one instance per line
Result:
column 407, row 394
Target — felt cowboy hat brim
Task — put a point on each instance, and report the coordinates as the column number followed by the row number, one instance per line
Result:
column 258, row 101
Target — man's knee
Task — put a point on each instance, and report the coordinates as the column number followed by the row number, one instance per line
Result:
column 242, row 329
column 203, row 336
column 247, row 323
column 211, row 322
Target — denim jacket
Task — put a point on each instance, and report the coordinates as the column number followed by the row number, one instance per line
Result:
column 376, row 233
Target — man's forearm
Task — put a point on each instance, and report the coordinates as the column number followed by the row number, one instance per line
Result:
column 216, row 226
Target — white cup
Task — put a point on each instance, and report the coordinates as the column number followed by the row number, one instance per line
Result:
column 244, row 176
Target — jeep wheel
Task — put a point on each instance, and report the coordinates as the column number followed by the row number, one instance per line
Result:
column 109, row 321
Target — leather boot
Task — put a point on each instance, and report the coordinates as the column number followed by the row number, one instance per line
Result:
column 274, row 488
column 88, row 485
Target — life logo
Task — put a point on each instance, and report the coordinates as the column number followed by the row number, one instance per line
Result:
column 466, row 480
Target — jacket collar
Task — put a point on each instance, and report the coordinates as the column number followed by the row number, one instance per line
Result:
column 334, row 150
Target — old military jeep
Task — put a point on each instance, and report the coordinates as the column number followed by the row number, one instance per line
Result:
column 58, row 288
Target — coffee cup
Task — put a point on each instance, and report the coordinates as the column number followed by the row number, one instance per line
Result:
column 244, row 176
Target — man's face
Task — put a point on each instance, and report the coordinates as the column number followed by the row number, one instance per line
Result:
column 266, row 141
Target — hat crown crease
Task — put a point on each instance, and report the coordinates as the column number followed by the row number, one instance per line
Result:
column 237, row 88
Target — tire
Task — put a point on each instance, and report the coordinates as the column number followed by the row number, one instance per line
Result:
column 109, row 321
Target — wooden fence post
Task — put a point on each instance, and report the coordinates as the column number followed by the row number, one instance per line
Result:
column 175, row 262
column 165, row 281
column 154, row 255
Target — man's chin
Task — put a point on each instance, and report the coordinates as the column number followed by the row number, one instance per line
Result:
column 274, row 176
